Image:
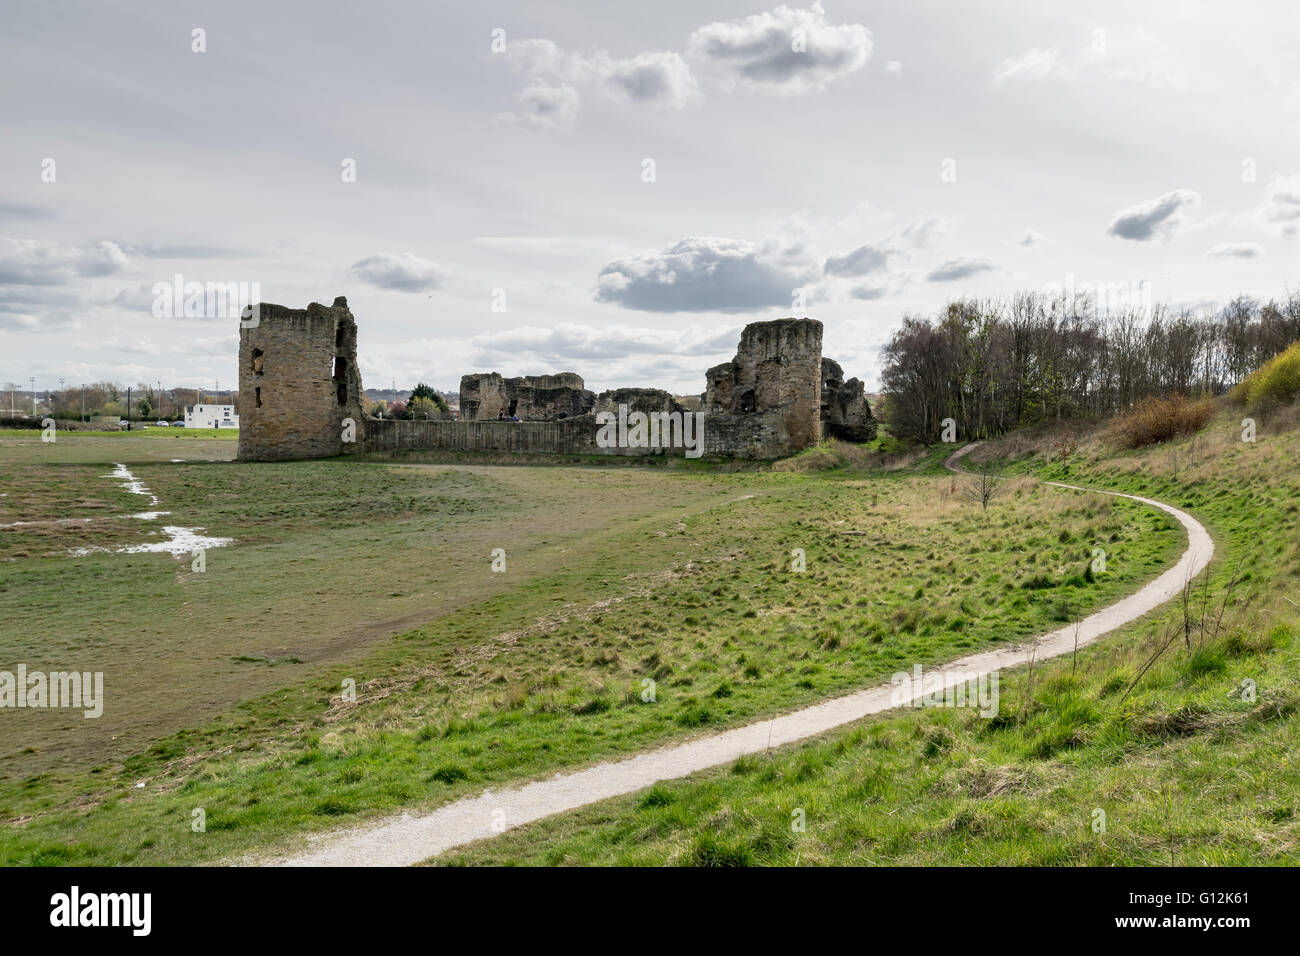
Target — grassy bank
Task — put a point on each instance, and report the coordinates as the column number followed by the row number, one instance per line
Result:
column 1172, row 741
column 380, row 574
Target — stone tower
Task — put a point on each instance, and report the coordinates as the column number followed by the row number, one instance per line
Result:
column 767, row 400
column 298, row 383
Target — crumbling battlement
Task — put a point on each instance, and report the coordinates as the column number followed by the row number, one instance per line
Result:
column 300, row 397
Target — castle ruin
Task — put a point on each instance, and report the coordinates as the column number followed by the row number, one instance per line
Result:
column 300, row 396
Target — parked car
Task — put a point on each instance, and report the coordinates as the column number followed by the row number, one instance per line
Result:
column 178, row 424
column 123, row 423
column 160, row 422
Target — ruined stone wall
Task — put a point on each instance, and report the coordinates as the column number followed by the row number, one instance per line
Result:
column 533, row 398
column 845, row 412
column 572, row 436
column 766, row 401
column 298, row 381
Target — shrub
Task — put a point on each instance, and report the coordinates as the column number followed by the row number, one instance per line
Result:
column 1278, row 378
column 1154, row 420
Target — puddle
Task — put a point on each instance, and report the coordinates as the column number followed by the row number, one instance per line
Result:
column 131, row 483
column 179, row 540
column 19, row 524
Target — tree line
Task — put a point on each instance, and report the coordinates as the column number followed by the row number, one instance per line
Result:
column 993, row 365
column 108, row 399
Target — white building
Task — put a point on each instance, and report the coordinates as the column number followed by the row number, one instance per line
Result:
column 211, row 416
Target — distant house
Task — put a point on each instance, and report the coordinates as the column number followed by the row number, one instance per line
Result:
column 211, row 416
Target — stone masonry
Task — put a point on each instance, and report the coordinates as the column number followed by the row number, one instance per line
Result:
column 766, row 401
column 298, row 381
column 300, row 396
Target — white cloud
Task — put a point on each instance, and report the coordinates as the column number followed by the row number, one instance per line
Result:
column 569, row 343
column 1033, row 64
column 785, row 51
column 703, row 274
column 1029, row 238
column 1134, row 56
column 551, row 99
column 883, row 260
column 1158, row 217
column 894, row 68
column 404, row 272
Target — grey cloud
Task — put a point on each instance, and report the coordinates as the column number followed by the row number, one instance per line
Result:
column 1237, row 250
column 18, row 210
column 960, row 268
column 547, row 105
column 156, row 250
column 1284, row 202
column 405, row 272
column 662, row 79
column 861, row 261
column 869, row 292
column 43, row 262
column 924, row 231
column 1154, row 217
column 702, row 274
column 758, row 50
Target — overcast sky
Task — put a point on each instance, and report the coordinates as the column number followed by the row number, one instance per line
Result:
column 882, row 157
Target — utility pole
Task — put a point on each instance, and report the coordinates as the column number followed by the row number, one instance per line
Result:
column 83, row 401
column 128, row 408
column 32, row 379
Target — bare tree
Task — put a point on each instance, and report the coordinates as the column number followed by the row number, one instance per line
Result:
column 982, row 487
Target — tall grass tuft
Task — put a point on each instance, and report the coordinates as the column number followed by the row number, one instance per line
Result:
column 1154, row 420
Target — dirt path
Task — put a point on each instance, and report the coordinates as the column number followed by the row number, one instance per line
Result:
column 410, row 839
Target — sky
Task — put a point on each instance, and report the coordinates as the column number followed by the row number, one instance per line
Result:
column 616, row 189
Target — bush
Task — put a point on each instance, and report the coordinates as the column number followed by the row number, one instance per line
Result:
column 1278, row 379
column 1155, row 420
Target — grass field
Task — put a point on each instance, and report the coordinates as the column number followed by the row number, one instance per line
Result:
column 149, row 431
column 1151, row 748
column 224, row 687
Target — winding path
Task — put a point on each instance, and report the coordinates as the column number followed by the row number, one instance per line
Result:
column 409, row 839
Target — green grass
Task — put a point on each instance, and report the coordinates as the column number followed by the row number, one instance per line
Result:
column 149, row 431
column 1184, row 765
column 225, row 687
